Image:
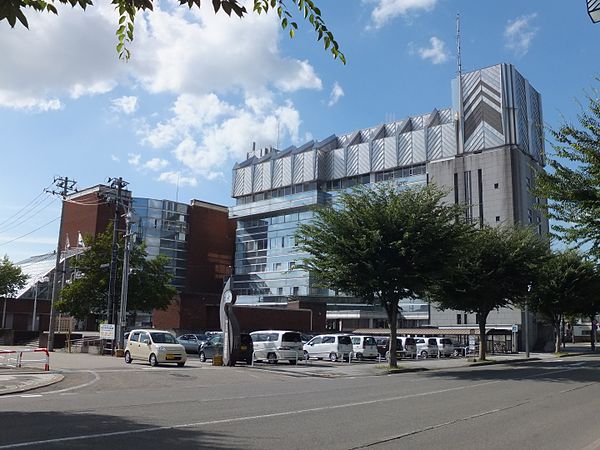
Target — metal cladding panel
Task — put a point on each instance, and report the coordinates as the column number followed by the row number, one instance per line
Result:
column 257, row 180
column 277, row 173
column 352, row 160
column 492, row 76
column 522, row 119
column 446, row 115
column 343, row 140
column 364, row 158
column 537, row 127
column 419, row 121
column 434, row 142
column 339, row 163
column 378, row 155
column 390, row 129
column 247, row 189
column 448, row 140
column 405, row 153
column 418, row 150
column 238, row 182
column 298, row 168
column 266, row 175
column 309, row 165
column 391, row 156
column 368, row 134
column 328, row 165
column 286, row 161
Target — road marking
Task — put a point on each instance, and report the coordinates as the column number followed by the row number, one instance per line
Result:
column 80, row 386
column 593, row 446
column 243, row 418
column 30, row 395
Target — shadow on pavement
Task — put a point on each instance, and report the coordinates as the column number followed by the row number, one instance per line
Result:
column 565, row 369
column 39, row 429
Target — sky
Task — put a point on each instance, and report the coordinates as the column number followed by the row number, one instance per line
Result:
column 200, row 88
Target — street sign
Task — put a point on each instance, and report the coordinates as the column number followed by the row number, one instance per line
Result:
column 107, row 331
column 515, row 328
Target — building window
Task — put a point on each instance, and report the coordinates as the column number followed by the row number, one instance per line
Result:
column 465, row 319
column 495, row 185
column 291, row 265
column 276, row 266
column 459, row 319
column 280, row 291
column 497, row 218
column 295, row 290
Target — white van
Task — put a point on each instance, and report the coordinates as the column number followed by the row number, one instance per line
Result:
column 364, row 347
column 426, row 346
column 275, row 345
column 332, row 346
column 445, row 346
column 409, row 346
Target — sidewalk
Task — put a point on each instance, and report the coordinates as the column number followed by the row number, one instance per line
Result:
column 32, row 376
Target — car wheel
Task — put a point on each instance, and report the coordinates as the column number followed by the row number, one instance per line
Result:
column 128, row 357
column 293, row 362
column 424, row 354
column 455, row 353
column 202, row 357
column 249, row 361
column 333, row 357
column 272, row 358
column 306, row 355
column 359, row 356
column 153, row 360
column 181, row 364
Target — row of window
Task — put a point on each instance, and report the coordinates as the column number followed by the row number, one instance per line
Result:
column 279, row 192
column 273, row 220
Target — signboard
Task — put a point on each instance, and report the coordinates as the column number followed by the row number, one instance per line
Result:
column 472, row 342
column 107, row 331
column 515, row 328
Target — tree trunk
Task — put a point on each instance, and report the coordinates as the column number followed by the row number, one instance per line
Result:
column 556, row 337
column 393, row 319
column 482, row 339
column 593, row 334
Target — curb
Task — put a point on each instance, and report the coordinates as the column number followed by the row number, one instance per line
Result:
column 15, row 387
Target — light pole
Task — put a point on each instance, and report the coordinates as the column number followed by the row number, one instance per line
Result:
column 35, row 296
column 527, row 323
column 122, row 321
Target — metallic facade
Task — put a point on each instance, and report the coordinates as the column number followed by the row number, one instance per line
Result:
column 491, row 171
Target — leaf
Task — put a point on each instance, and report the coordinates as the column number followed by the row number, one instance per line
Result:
column 216, row 5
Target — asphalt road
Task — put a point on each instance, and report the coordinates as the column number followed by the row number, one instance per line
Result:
column 552, row 404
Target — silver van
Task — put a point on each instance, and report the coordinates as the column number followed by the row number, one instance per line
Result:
column 445, row 346
column 332, row 346
column 275, row 345
column 364, row 347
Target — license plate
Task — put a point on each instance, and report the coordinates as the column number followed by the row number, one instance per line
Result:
column 243, row 347
column 169, row 356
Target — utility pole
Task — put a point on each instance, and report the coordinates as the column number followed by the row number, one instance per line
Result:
column 118, row 184
column 65, row 185
column 122, row 323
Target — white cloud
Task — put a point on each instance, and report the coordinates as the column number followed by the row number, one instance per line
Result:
column 156, row 164
column 134, row 159
column 127, row 104
column 336, row 93
column 115, row 158
column 176, row 179
column 519, row 34
column 387, row 10
column 436, row 52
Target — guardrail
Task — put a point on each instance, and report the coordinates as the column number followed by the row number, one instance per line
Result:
column 14, row 358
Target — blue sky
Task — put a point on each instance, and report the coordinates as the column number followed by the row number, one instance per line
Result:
column 200, row 88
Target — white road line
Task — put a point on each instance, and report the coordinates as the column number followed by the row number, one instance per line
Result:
column 244, row 418
column 80, row 386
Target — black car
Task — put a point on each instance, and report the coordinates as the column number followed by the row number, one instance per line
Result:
column 383, row 346
column 214, row 346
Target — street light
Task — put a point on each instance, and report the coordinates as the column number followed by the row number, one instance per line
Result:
column 35, row 296
column 593, row 7
column 527, row 323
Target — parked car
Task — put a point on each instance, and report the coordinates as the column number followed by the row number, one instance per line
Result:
column 276, row 345
column 364, row 347
column 214, row 346
column 154, row 346
column 332, row 346
column 383, row 346
column 409, row 344
column 426, row 346
column 192, row 342
column 460, row 349
column 445, row 346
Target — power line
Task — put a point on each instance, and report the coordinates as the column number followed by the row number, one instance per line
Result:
column 26, row 206
column 27, row 234
column 32, row 214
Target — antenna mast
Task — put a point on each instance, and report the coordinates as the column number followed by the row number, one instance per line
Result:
column 461, row 141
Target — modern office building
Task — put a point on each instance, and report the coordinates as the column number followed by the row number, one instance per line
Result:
column 485, row 150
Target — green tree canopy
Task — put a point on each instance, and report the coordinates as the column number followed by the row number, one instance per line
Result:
column 573, row 185
column 13, row 11
column 382, row 244
column 11, row 278
column 566, row 283
column 496, row 268
column 87, row 294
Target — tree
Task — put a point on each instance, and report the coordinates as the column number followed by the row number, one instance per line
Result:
column 496, row 268
column 87, row 294
column 562, row 287
column 12, row 10
column 11, row 278
column 573, row 186
column 383, row 244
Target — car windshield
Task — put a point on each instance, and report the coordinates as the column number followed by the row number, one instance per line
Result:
column 370, row 341
column 163, row 338
column 201, row 337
